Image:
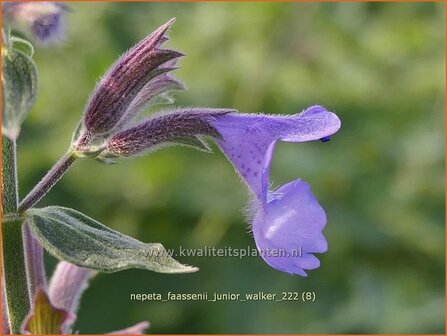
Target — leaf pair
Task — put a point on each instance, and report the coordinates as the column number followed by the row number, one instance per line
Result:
column 74, row 237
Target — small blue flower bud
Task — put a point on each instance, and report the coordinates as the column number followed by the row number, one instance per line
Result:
column 42, row 21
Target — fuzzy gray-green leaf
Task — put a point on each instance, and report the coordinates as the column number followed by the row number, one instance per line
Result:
column 22, row 45
column 19, row 85
column 74, row 237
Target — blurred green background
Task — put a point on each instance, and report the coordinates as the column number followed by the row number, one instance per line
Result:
column 379, row 66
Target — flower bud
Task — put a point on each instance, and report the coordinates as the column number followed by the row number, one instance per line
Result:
column 125, row 79
column 42, row 21
column 155, row 91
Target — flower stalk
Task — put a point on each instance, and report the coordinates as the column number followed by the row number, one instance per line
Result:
column 14, row 269
column 48, row 181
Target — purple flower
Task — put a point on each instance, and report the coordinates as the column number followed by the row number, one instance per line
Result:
column 35, row 269
column 45, row 318
column 137, row 329
column 5, row 324
column 67, row 285
column 53, row 309
column 43, row 21
column 288, row 222
column 135, row 78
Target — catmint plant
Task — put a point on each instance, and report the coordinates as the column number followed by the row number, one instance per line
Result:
column 111, row 129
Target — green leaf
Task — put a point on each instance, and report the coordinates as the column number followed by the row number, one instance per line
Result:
column 22, row 45
column 19, row 84
column 74, row 237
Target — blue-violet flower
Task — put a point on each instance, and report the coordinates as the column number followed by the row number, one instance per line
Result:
column 287, row 223
column 43, row 21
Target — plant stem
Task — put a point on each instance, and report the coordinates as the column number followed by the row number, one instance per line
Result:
column 48, row 181
column 10, row 198
column 16, row 288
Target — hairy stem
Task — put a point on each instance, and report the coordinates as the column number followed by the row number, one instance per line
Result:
column 10, row 196
column 48, row 181
column 14, row 270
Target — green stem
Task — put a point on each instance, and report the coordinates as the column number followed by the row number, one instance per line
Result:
column 14, row 269
column 10, row 197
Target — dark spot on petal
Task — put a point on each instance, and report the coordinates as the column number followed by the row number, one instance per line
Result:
column 255, row 174
column 325, row 139
column 259, row 162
